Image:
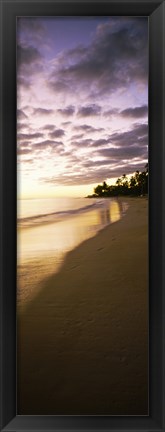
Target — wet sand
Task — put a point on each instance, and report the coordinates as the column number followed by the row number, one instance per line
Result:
column 82, row 342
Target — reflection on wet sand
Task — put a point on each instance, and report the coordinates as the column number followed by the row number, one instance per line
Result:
column 82, row 339
column 41, row 249
column 112, row 212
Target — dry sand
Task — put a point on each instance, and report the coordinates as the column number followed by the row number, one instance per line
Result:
column 83, row 341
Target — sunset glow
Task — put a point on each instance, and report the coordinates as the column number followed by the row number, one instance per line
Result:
column 82, row 102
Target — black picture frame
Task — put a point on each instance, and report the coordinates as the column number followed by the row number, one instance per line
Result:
column 155, row 10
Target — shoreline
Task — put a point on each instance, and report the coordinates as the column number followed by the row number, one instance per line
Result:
column 42, row 250
column 83, row 340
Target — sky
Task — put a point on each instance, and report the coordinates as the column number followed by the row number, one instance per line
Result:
column 82, row 102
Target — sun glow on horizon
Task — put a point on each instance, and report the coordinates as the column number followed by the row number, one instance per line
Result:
column 27, row 192
column 79, row 125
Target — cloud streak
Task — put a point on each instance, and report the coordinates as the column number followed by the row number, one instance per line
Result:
column 115, row 58
column 82, row 98
column 58, row 133
column 90, row 110
column 42, row 111
column 136, row 112
column 66, row 112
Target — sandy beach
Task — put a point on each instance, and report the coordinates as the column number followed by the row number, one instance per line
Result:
column 82, row 342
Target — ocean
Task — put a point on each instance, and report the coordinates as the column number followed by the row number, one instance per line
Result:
column 49, row 228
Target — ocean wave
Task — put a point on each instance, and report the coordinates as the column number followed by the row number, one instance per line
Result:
column 38, row 219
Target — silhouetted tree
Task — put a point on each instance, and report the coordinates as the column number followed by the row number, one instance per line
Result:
column 137, row 185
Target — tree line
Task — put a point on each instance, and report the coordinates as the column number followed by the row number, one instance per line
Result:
column 137, row 185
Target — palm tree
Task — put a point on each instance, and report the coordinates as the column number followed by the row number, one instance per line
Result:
column 132, row 182
column 118, row 182
column 105, row 186
column 124, row 177
column 125, row 184
column 137, row 176
column 138, row 184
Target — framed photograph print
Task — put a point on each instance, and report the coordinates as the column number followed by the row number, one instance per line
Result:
column 82, row 215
